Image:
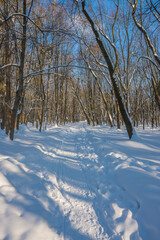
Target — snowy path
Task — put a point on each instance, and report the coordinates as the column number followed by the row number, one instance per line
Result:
column 79, row 183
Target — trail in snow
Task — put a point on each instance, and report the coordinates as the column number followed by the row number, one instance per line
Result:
column 80, row 183
column 110, row 198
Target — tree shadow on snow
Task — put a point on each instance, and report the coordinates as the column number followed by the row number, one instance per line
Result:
column 33, row 189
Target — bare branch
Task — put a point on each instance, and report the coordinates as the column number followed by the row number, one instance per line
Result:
column 42, row 30
column 9, row 65
column 60, row 66
column 142, row 29
column 145, row 57
column 22, row 15
column 5, row 104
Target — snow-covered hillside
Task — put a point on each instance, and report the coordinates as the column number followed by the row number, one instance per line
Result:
column 78, row 182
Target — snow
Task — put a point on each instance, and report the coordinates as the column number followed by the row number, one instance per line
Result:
column 78, row 182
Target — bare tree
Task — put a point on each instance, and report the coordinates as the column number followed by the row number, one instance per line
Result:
column 153, row 7
column 111, row 67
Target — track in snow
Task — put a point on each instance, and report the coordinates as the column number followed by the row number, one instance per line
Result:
column 84, row 189
column 67, row 184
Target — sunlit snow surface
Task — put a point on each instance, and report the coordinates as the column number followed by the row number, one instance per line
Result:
column 78, row 182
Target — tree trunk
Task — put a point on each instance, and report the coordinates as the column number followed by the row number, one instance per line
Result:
column 2, row 100
column 118, row 117
column 123, row 110
column 8, row 84
column 19, row 91
column 43, row 105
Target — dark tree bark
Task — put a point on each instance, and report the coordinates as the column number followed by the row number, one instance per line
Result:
column 2, row 100
column 6, row 109
column 19, row 91
column 123, row 110
column 156, row 92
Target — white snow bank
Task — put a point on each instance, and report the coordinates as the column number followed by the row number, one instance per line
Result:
column 80, row 182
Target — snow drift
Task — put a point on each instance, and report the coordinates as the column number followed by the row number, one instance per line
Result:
column 78, row 182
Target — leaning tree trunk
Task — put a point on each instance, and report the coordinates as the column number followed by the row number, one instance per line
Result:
column 122, row 108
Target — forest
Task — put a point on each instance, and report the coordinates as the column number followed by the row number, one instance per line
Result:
column 74, row 60
column 80, row 97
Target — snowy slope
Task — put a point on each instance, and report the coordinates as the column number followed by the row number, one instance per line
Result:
column 80, row 182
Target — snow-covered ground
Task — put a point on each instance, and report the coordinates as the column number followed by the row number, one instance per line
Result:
column 80, row 182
